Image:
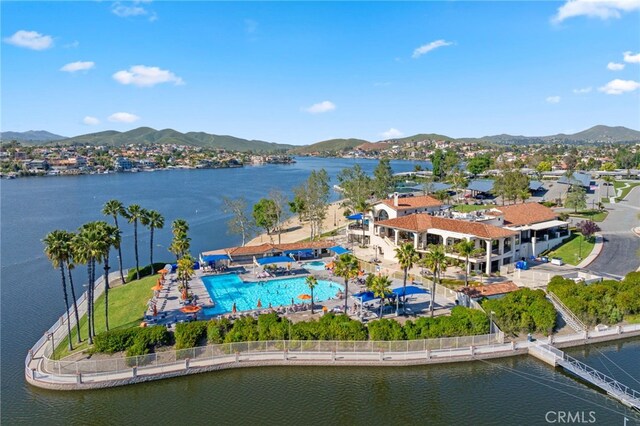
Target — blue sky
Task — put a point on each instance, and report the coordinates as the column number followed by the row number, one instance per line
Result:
column 301, row 72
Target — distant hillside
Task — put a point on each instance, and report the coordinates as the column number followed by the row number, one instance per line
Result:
column 147, row 135
column 330, row 145
column 424, row 137
column 30, row 136
column 595, row 134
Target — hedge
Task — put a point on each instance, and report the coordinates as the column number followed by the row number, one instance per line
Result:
column 524, row 310
column 136, row 340
column 188, row 334
column 131, row 275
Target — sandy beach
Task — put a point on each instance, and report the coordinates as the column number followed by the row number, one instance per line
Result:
column 295, row 231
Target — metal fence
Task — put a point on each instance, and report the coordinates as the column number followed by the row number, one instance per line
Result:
column 115, row 365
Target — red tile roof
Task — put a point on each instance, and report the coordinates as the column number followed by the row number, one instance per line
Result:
column 412, row 202
column 526, row 214
column 269, row 247
column 489, row 290
column 421, row 222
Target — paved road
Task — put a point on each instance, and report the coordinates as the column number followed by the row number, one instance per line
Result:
column 621, row 250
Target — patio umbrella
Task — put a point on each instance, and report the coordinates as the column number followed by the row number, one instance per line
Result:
column 162, row 271
column 157, row 287
column 233, row 308
column 304, row 297
column 191, row 309
column 259, row 303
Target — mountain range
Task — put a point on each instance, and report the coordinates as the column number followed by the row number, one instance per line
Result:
column 147, row 135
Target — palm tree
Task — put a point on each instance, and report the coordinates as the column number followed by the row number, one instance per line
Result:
column 185, row 270
column 363, row 206
column 312, row 282
column 346, row 267
column 466, row 248
column 435, row 260
column 609, row 180
column 69, row 236
column 110, row 238
column 115, row 208
column 407, row 256
column 380, row 286
column 181, row 242
column 55, row 247
column 133, row 214
column 153, row 220
column 179, row 226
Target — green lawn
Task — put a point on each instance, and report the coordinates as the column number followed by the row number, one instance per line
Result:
column 127, row 305
column 569, row 251
column 618, row 184
column 594, row 215
column 466, row 208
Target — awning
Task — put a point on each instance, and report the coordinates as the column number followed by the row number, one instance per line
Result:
column 339, row 250
column 547, row 225
column 215, row 257
column 303, row 252
column 357, row 216
column 411, row 289
column 273, row 259
column 367, row 296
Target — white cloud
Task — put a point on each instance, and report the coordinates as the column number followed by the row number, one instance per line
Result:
column 553, row 99
column 425, row 48
column 631, row 58
column 392, row 133
column 618, row 87
column 143, row 76
column 91, row 121
column 319, row 108
column 603, row 9
column 582, row 91
column 125, row 10
column 613, row 66
column 78, row 66
column 123, row 117
column 30, row 40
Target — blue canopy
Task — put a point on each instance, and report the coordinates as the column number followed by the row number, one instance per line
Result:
column 305, row 252
column 215, row 257
column 273, row 259
column 411, row 289
column 357, row 216
column 481, row 185
column 367, row 296
column 339, row 250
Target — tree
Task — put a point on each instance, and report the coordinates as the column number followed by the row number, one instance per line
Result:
column 570, row 162
column 356, row 187
column 437, row 160
column 544, row 166
column 185, row 270
column 381, row 287
column 576, row 198
column 134, row 213
column 479, row 164
column 609, row 181
column 110, row 238
column 427, row 186
column 264, row 214
column 279, row 210
column 458, row 180
column 70, row 265
column 239, row 222
column 310, row 201
column 435, row 260
column 346, row 267
column 466, row 249
column 153, row 220
column 588, row 228
column 55, row 247
column 406, row 255
column 312, row 282
column 608, row 167
column 181, row 242
column 115, row 208
column 383, row 183
column 511, row 185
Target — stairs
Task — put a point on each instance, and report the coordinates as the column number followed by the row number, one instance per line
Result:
column 569, row 317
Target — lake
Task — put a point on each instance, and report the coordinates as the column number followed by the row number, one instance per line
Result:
column 511, row 391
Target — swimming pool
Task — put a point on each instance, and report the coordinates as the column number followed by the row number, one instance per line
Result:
column 227, row 289
column 316, row 265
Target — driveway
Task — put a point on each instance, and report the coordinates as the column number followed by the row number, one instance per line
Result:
column 621, row 250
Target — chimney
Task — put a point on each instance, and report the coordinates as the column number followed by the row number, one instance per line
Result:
column 395, row 199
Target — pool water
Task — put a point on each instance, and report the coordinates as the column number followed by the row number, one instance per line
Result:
column 316, row 265
column 227, row 289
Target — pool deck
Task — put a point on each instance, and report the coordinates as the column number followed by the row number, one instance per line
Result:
column 168, row 300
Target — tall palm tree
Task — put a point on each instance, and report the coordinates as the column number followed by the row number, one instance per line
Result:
column 363, row 206
column 435, row 260
column 110, row 238
column 185, row 270
column 133, row 214
column 55, row 247
column 407, row 256
column 380, row 286
column 153, row 220
column 115, row 208
column 69, row 236
column 346, row 267
column 466, row 248
column 179, row 226
column 181, row 243
column 312, row 282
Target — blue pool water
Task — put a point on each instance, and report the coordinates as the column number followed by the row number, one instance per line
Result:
column 226, row 289
column 316, row 265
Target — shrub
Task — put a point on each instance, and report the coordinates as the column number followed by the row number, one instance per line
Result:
column 385, row 329
column 136, row 340
column 131, row 275
column 217, row 329
column 272, row 327
column 188, row 334
column 524, row 310
column 244, row 329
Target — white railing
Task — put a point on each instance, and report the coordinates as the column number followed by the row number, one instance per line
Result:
column 571, row 319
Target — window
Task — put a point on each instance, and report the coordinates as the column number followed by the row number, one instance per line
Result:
column 383, row 215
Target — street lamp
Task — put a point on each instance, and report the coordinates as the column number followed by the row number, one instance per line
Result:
column 53, row 346
column 491, row 323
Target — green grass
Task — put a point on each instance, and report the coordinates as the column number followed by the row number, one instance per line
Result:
column 618, row 184
column 569, row 251
column 466, row 208
column 127, row 305
column 632, row 319
column 454, row 284
column 594, row 215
